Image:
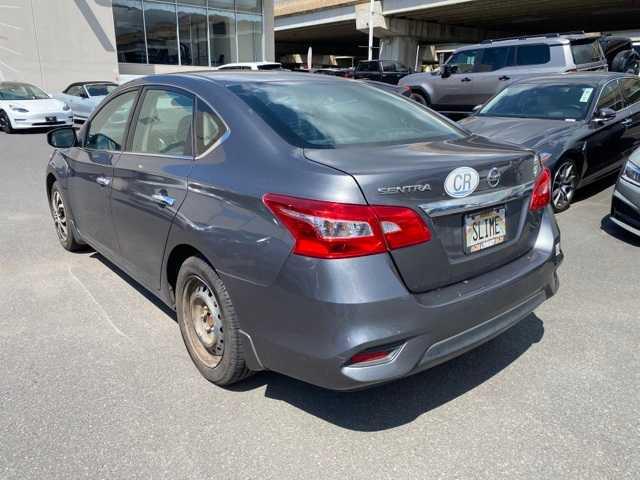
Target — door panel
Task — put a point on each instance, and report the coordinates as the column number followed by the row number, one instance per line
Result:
column 631, row 94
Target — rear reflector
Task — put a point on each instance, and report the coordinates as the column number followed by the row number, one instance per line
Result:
column 366, row 357
column 541, row 195
column 341, row 230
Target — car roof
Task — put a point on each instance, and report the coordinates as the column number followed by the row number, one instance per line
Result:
column 547, row 39
column 96, row 82
column 596, row 78
column 248, row 64
column 255, row 76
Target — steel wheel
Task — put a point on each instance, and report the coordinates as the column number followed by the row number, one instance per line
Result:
column 205, row 325
column 564, row 186
column 59, row 216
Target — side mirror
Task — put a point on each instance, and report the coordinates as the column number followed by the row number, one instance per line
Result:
column 477, row 108
column 446, row 70
column 603, row 115
column 64, row 137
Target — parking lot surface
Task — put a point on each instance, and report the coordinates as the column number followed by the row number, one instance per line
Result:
column 95, row 381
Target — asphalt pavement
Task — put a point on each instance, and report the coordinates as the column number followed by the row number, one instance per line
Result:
column 95, row 381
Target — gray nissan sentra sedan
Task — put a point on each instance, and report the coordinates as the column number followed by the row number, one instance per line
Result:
column 309, row 225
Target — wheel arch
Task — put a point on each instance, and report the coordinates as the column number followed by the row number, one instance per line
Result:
column 577, row 157
column 179, row 253
column 51, row 179
column 421, row 91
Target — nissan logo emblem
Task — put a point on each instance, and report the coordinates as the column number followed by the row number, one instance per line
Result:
column 493, row 178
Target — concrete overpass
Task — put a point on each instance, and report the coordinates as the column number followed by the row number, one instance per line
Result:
column 340, row 26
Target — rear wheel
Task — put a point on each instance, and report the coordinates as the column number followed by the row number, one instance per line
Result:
column 62, row 220
column 209, row 324
column 565, row 183
column 5, row 123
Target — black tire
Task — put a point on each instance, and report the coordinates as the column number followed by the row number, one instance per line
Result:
column 63, row 219
column 627, row 61
column 202, row 302
column 565, row 184
column 420, row 98
column 5, row 123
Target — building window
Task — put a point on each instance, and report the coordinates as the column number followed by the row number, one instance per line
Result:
column 249, row 37
column 254, row 6
column 162, row 35
column 194, row 44
column 129, row 28
column 222, row 35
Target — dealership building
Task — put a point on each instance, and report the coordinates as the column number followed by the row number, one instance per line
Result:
column 52, row 43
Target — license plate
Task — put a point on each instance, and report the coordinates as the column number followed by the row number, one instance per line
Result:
column 51, row 119
column 485, row 229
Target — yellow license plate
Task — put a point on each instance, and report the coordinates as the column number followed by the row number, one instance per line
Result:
column 485, row 229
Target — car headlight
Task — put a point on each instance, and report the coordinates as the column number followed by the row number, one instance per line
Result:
column 66, row 107
column 632, row 172
column 18, row 109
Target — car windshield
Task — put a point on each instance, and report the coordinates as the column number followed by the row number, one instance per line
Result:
column 100, row 89
column 548, row 101
column 21, row 91
column 335, row 114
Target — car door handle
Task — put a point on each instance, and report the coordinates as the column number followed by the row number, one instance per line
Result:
column 466, row 79
column 103, row 181
column 627, row 122
column 504, row 77
column 163, row 200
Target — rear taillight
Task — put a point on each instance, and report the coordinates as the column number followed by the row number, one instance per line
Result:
column 341, row 230
column 541, row 195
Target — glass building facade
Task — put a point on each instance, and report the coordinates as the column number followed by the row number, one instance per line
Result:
column 189, row 32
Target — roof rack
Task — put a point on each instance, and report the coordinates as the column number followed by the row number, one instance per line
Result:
column 540, row 35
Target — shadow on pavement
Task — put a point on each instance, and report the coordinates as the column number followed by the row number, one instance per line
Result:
column 617, row 232
column 402, row 401
column 596, row 187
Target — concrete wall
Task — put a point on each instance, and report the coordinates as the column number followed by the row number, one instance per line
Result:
column 52, row 43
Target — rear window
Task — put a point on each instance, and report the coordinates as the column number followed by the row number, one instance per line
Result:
column 533, row 55
column 586, row 51
column 368, row 66
column 270, row 66
column 335, row 114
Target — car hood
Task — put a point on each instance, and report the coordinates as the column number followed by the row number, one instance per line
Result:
column 529, row 132
column 48, row 105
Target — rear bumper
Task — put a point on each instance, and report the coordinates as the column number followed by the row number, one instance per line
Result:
column 625, row 206
column 320, row 313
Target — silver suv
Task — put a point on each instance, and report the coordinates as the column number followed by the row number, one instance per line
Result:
column 475, row 73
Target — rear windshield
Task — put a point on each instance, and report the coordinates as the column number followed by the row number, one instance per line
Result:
column 554, row 102
column 21, row 91
column 100, row 89
column 586, row 51
column 334, row 114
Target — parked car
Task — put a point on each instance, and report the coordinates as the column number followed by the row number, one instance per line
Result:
column 336, row 72
column 307, row 224
column 251, row 66
column 625, row 204
column 386, row 87
column 621, row 55
column 385, row 71
column 475, row 73
column 583, row 125
column 84, row 97
column 24, row 106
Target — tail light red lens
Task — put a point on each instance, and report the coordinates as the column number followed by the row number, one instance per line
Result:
column 340, row 230
column 366, row 357
column 541, row 195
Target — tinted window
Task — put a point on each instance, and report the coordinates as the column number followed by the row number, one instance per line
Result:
column 368, row 66
column 494, row 59
column 465, row 62
column 586, row 51
column 21, row 91
column 108, row 127
column 162, row 39
column 631, row 90
column 100, row 89
column 270, row 66
column 541, row 101
column 336, row 113
column 610, row 97
column 194, row 44
column 393, row 67
column 75, row 91
column 163, row 125
column 127, row 19
column 533, row 55
column 209, row 128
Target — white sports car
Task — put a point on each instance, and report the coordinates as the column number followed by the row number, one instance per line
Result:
column 26, row 106
column 84, row 97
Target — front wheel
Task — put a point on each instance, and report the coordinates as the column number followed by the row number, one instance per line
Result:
column 208, row 323
column 5, row 123
column 421, row 99
column 62, row 220
column 565, row 183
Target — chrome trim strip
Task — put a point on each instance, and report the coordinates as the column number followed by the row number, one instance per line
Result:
column 458, row 205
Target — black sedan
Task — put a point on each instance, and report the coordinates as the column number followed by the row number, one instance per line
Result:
column 584, row 126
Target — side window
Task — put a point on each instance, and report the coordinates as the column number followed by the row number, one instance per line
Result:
column 368, row 67
column 108, row 127
column 610, row 97
column 533, row 55
column 74, row 91
column 389, row 67
column 494, row 59
column 631, row 90
column 209, row 128
column 465, row 62
column 163, row 124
